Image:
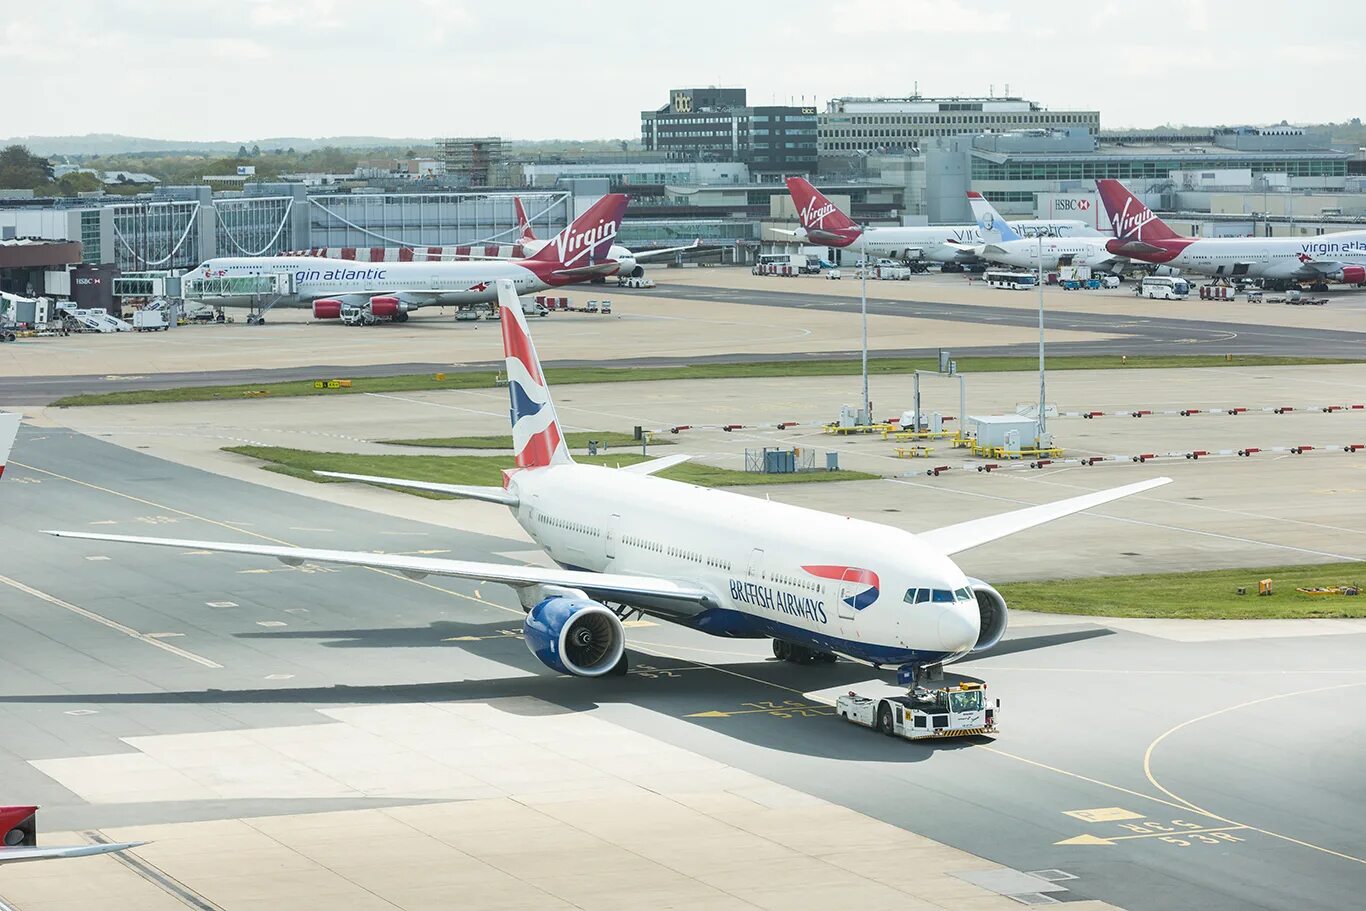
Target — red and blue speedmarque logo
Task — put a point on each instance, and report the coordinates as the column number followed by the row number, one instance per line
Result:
column 852, row 576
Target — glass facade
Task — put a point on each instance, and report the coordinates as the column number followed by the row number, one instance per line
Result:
column 91, row 247
column 1149, row 168
column 155, row 235
column 252, row 226
column 427, row 219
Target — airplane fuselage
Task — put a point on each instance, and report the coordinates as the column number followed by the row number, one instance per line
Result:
column 834, row 583
column 1260, row 257
column 940, row 243
column 1054, row 251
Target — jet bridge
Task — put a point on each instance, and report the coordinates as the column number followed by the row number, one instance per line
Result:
column 258, row 293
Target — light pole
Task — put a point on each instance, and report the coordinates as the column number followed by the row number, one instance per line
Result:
column 863, row 309
column 1043, row 424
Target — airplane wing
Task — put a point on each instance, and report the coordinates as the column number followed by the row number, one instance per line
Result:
column 469, row 491
column 16, row 855
column 667, row 250
column 952, row 539
column 586, row 271
column 611, row 586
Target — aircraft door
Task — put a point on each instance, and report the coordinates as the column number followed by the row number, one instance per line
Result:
column 612, row 533
column 756, row 563
column 845, row 593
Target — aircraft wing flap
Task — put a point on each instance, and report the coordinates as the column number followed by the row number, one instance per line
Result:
column 952, row 539
column 610, row 585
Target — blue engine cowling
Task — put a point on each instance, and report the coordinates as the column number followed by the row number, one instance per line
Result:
column 574, row 636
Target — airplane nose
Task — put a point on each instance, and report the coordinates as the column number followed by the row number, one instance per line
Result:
column 959, row 625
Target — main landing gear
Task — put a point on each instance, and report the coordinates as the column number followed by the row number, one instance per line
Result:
column 800, row 654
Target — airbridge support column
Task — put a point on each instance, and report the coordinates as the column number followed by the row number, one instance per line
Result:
column 207, row 232
column 297, row 234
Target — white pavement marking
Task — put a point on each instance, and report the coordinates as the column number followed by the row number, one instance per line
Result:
column 111, row 624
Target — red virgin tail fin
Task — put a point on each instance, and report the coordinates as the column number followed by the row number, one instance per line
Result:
column 1129, row 217
column 815, row 212
column 524, row 232
column 588, row 239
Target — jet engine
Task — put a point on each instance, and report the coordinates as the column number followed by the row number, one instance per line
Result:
column 385, row 305
column 627, row 267
column 327, row 308
column 575, row 636
column 992, row 608
column 1353, row 275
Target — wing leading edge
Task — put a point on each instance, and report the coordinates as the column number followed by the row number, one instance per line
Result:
column 609, row 585
column 952, row 539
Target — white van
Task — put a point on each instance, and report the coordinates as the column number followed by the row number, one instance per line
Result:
column 1164, row 287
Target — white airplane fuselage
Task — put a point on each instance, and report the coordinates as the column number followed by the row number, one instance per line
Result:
column 944, row 243
column 756, row 557
column 417, row 284
column 1054, row 251
column 1264, row 257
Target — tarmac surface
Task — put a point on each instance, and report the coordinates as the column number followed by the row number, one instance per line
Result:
column 1162, row 764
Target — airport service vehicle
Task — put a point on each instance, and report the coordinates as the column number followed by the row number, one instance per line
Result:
column 383, row 292
column 923, row 713
column 1163, row 287
column 628, row 542
column 1004, row 245
column 1279, row 261
column 148, row 320
column 823, row 223
column 1011, row 281
column 628, row 263
column 638, row 283
column 19, row 839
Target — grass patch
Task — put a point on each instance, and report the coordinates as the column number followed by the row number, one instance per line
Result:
column 488, row 470
column 1200, row 596
column 575, row 440
column 484, row 379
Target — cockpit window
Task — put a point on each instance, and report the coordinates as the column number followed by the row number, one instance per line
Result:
column 965, row 594
column 941, row 594
column 917, row 595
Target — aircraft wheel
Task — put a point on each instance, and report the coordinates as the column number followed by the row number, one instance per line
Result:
column 782, row 650
column 621, row 668
column 884, row 719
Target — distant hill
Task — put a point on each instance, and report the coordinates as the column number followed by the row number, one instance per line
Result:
column 114, row 144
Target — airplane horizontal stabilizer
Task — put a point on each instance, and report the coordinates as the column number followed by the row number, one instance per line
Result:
column 648, row 254
column 952, row 539
column 9, row 429
column 1137, row 248
column 657, row 465
column 16, row 855
column 489, row 494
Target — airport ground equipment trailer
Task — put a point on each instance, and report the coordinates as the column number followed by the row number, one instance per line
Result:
column 923, row 714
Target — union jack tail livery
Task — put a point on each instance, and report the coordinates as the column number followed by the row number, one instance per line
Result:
column 536, row 436
column 9, row 429
column 524, row 234
column 822, row 219
column 588, row 240
column 1130, row 218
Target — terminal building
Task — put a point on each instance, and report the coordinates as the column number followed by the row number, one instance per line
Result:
column 852, row 125
column 718, row 124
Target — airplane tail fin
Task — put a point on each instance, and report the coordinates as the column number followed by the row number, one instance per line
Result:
column 1130, row 218
column 524, row 231
column 994, row 228
column 588, row 239
column 9, row 429
column 815, row 211
column 537, row 439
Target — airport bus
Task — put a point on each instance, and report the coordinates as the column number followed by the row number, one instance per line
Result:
column 1013, row 281
column 1164, row 287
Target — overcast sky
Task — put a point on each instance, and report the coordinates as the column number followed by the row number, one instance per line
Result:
column 526, row 69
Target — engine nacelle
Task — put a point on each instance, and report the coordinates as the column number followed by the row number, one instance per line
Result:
column 327, row 308
column 627, row 267
column 992, row 609
column 386, row 305
column 18, row 827
column 574, row 636
column 1353, row 275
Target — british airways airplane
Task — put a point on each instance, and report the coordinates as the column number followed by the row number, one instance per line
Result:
column 816, row 583
column 581, row 252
